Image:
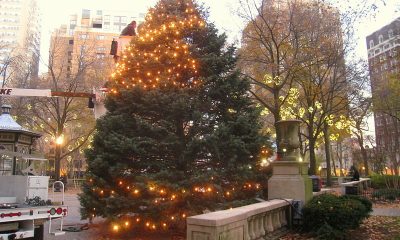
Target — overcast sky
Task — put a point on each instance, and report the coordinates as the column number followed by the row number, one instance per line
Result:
column 56, row 12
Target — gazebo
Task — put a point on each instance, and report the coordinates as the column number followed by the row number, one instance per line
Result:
column 16, row 145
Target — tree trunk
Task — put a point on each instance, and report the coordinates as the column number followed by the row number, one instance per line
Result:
column 277, row 118
column 339, row 151
column 360, row 139
column 57, row 162
column 327, row 155
column 313, row 164
column 365, row 158
column 333, row 159
column 364, row 154
column 396, row 144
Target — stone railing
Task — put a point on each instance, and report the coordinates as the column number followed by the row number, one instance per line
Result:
column 262, row 220
column 359, row 185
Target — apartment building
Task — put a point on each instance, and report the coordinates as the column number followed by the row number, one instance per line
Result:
column 384, row 62
column 19, row 39
column 86, row 40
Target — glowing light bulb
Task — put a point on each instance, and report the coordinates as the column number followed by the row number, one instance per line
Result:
column 115, row 228
column 60, row 140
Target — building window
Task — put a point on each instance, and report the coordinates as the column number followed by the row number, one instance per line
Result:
column 107, row 18
column 99, row 12
column 97, row 25
column 71, row 42
column 85, row 13
column 100, row 55
column 101, row 49
column 390, row 33
column 100, row 37
column 371, row 43
column 84, row 36
column 380, row 38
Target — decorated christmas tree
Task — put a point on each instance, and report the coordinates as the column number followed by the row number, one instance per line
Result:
column 181, row 135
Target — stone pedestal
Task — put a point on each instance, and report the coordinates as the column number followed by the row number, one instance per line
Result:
column 290, row 180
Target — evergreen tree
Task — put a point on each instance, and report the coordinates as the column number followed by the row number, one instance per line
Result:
column 181, row 135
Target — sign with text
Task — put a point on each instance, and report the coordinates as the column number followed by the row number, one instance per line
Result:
column 25, row 92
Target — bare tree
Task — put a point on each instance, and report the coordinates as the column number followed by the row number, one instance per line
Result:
column 269, row 53
column 67, row 120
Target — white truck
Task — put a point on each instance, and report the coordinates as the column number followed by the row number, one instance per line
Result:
column 22, row 219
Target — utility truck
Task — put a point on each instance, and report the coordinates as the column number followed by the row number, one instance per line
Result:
column 24, row 207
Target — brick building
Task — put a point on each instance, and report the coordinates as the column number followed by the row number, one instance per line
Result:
column 384, row 63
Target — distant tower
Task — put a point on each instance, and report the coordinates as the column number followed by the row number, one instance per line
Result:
column 19, row 38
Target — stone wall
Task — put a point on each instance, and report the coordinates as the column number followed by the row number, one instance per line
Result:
column 261, row 220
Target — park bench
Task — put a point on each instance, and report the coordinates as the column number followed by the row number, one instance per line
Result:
column 355, row 187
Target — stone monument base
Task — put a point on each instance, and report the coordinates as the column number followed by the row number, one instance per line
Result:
column 290, row 180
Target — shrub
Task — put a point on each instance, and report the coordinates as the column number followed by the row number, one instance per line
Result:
column 385, row 181
column 327, row 232
column 329, row 213
column 388, row 194
column 365, row 201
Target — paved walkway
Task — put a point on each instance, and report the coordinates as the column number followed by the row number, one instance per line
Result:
column 96, row 233
column 388, row 212
column 72, row 219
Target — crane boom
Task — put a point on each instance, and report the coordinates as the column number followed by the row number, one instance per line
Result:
column 23, row 92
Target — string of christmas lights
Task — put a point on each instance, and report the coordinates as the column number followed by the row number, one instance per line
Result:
column 160, row 55
column 163, row 195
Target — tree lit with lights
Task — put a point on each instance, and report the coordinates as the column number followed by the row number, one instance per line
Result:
column 181, row 135
column 160, row 55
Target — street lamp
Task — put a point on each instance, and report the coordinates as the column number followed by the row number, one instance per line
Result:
column 60, row 140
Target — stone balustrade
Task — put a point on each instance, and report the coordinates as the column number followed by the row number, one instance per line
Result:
column 361, row 185
column 262, row 220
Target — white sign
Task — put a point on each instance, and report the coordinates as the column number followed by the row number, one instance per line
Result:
column 25, row 92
